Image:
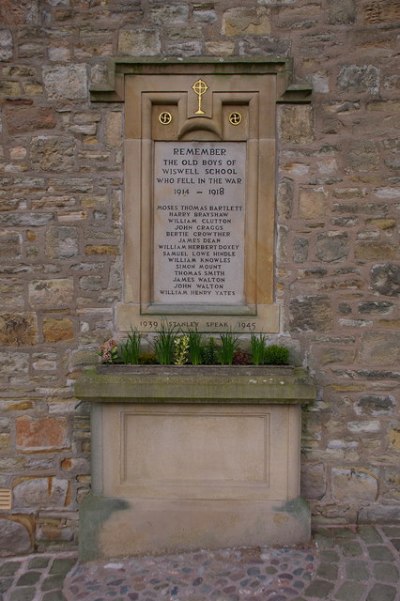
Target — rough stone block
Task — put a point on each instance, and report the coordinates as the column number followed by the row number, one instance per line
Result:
column 23, row 119
column 51, row 294
column 14, row 366
column 311, row 313
column 313, row 481
column 58, row 329
column 353, row 486
column 246, row 21
column 40, row 493
column 341, row 12
column 15, row 538
column 295, row 124
column 62, row 242
column 375, row 405
column 42, row 434
column 18, row 329
column 359, row 78
column 385, row 279
column 380, row 349
column 66, row 82
column 145, row 42
column 332, row 246
column 53, row 153
column 10, row 246
column 113, row 129
column 6, row 45
column 313, row 203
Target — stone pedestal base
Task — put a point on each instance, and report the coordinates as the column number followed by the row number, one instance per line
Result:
column 188, row 458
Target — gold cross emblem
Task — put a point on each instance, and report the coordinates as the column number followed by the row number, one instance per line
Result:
column 199, row 87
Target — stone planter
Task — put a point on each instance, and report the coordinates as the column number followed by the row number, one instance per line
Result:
column 189, row 457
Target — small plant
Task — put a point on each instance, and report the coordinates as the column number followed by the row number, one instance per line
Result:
column 209, row 353
column 196, row 347
column 109, row 351
column 129, row 350
column 258, row 345
column 241, row 357
column 276, row 354
column 164, row 345
column 181, row 354
column 226, row 352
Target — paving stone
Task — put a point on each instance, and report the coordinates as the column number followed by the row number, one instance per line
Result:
column 28, row 578
column 9, row 568
column 350, row 591
column 387, row 572
column 357, row 570
column 55, row 596
column 328, row 571
column 380, row 553
column 369, row 534
column 5, row 584
column 39, row 562
column 391, row 531
column 351, row 549
column 319, row 588
column 23, row 594
column 329, row 556
column 53, row 582
column 62, row 566
column 382, row 592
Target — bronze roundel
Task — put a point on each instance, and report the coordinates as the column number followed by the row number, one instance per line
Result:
column 165, row 118
column 235, row 118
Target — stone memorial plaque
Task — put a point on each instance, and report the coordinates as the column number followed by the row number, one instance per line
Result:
column 199, row 206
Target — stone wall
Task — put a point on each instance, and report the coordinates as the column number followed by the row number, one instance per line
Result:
column 61, row 215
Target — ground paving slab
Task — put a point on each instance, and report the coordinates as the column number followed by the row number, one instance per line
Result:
column 341, row 564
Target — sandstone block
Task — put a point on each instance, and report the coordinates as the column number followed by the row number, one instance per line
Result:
column 101, row 249
column 378, row 307
column 313, row 481
column 168, row 13
column 18, row 329
column 285, row 198
column 375, row 405
column 385, row 279
column 332, row 246
column 53, row 153
column 376, row 12
column 300, row 250
column 24, row 119
column 10, row 245
column 312, row 203
column 139, row 43
column 113, row 129
column 374, row 251
column 15, row 538
column 40, row 493
column 394, row 438
column 246, row 21
column 14, row 367
column 41, row 434
column 353, row 486
column 220, row 48
column 341, row 12
column 380, row 349
column 359, row 78
column 363, row 156
column 311, row 313
column 295, row 124
column 51, row 294
column 58, row 329
column 65, row 82
column 6, row 45
column 62, row 242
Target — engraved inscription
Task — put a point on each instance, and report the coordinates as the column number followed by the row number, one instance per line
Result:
column 199, row 218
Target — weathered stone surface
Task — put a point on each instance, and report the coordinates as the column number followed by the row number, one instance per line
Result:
column 375, row 12
column 113, row 130
column 12, row 364
column 380, row 349
column 15, row 538
column 18, row 329
column 53, row 153
column 51, row 294
column 356, row 78
column 313, row 203
column 169, row 13
column 375, row 251
column 62, row 242
column 385, row 279
column 341, row 12
column 243, row 21
column 300, row 250
column 145, row 42
column 6, row 44
column 10, row 245
column 58, row 329
column 350, row 486
column 332, row 246
column 313, row 481
column 379, row 307
column 41, row 434
column 39, row 493
column 295, row 124
column 375, row 405
column 310, row 313
column 22, row 119
column 66, row 82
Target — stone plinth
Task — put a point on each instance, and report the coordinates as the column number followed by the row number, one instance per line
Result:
column 189, row 457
